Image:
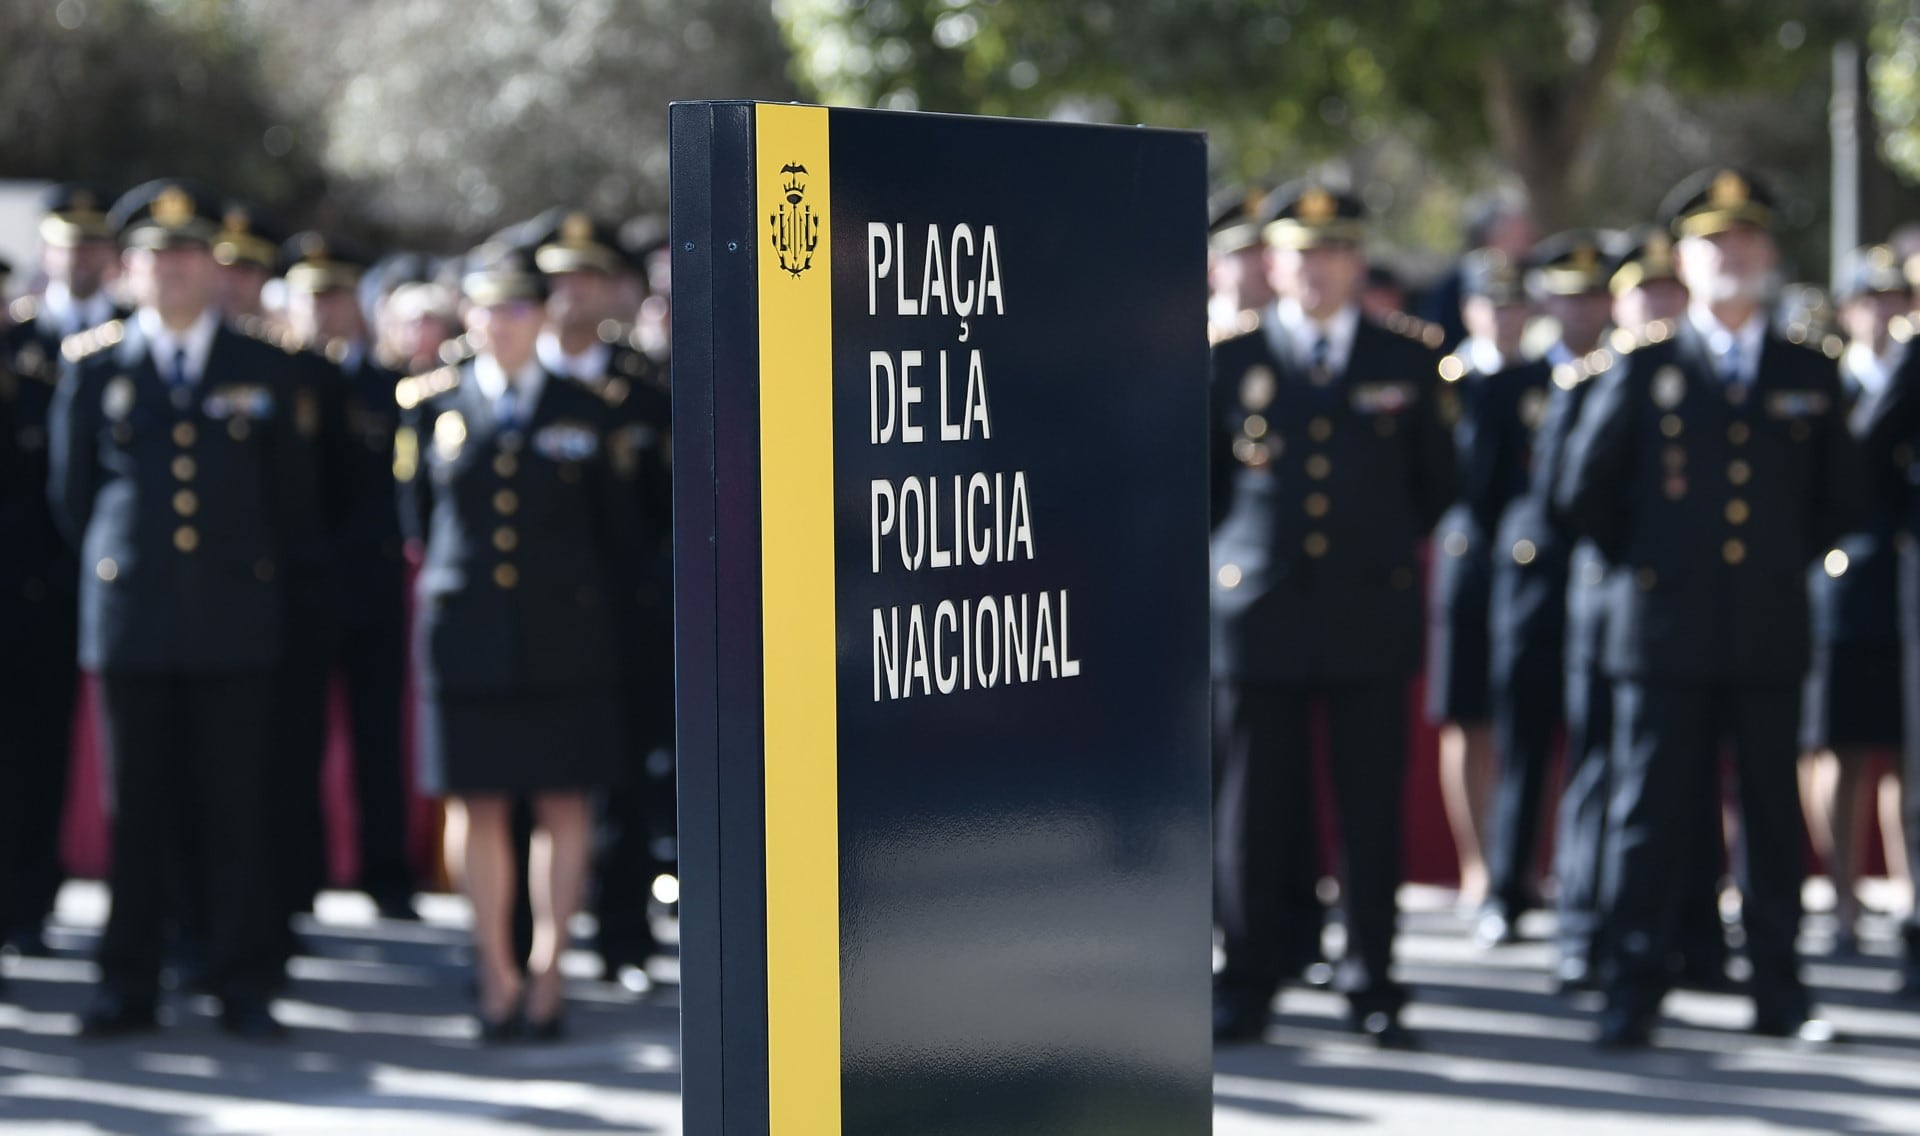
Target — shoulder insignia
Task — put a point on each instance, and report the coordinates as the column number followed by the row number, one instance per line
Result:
column 1623, row 341
column 24, row 308
column 459, row 349
column 1428, row 335
column 1597, row 361
column 92, row 341
column 411, row 392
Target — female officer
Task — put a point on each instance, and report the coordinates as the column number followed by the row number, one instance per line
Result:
column 513, row 480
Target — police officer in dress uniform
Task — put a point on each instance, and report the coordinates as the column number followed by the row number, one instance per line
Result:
column 515, row 480
column 322, row 276
column 1567, row 275
column 38, row 573
column 1852, row 712
column 1494, row 313
column 1711, row 465
column 177, row 470
column 247, row 248
column 1331, row 464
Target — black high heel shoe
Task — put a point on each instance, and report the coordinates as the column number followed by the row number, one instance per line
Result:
column 551, row 1028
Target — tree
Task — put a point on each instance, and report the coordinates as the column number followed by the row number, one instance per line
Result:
column 1279, row 82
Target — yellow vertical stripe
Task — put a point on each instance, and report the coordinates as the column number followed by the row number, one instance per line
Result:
column 796, row 533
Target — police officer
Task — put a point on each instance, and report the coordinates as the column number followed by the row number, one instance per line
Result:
column 38, row 571
column 1331, row 464
column 248, row 251
column 585, row 265
column 1567, row 276
column 517, row 496
column 1852, row 712
column 175, row 469
column 322, row 276
column 1645, row 291
column 1712, row 465
column 1494, row 313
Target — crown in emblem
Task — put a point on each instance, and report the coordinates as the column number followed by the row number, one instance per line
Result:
column 173, row 208
column 1729, row 190
column 313, row 247
column 236, row 221
column 1585, row 257
column 1317, row 206
column 576, row 228
column 794, row 184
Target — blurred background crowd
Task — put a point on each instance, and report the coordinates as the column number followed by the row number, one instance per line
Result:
column 386, row 192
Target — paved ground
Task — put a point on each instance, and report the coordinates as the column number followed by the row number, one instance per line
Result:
column 383, row 1047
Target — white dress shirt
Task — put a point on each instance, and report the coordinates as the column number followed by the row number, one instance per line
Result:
column 586, row 366
column 1751, row 338
column 1302, row 333
column 70, row 316
column 527, row 385
column 1481, row 356
column 165, row 344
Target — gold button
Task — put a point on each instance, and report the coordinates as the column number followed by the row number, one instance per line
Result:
column 1255, row 426
column 184, row 434
column 1739, row 472
column 506, row 502
column 1229, row 575
column 263, row 570
column 1738, row 433
column 505, row 539
column 1671, row 426
column 506, row 575
column 1646, row 578
column 506, row 465
column 107, row 570
column 1455, row 544
column 1320, row 429
column 1318, row 504
column 238, row 429
column 1733, row 552
column 1318, row 467
column 184, row 468
column 186, row 502
column 1737, row 512
column 186, row 538
column 1524, row 552
column 1836, row 563
column 1316, row 544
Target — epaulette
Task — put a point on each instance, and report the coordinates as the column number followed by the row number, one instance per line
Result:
column 1594, row 363
column 255, row 327
column 1428, row 335
column 92, row 341
column 457, row 350
column 411, row 392
column 24, row 308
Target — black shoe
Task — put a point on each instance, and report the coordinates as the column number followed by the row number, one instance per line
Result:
column 112, row 1014
column 1385, row 1030
column 1622, row 1028
column 498, row 1031
column 250, row 1020
column 1495, row 929
column 553, row 1029
column 1238, row 1021
column 1706, row 977
column 395, row 905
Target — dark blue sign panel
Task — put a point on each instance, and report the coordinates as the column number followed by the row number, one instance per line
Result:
column 940, row 420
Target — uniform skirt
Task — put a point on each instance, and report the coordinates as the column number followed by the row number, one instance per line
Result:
column 519, row 742
column 1459, row 644
column 1852, row 697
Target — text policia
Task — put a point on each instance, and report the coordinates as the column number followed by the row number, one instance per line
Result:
column 923, row 523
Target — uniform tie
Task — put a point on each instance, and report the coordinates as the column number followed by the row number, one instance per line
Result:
column 177, row 378
column 1321, row 350
column 506, row 408
column 1730, row 363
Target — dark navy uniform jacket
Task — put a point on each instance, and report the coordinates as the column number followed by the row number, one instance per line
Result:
column 38, row 577
column 368, row 546
column 1855, row 594
column 1530, row 554
column 185, row 510
column 527, row 535
column 1322, row 495
column 1710, row 499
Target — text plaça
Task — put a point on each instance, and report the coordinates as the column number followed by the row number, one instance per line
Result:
column 956, row 276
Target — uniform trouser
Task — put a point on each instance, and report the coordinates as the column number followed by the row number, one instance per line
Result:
column 1264, row 833
column 299, row 749
column 190, row 753
column 627, row 865
column 1910, row 765
column 1526, row 708
column 37, row 707
column 1665, row 768
column 374, row 660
